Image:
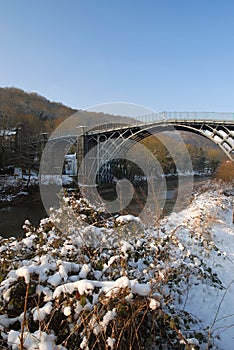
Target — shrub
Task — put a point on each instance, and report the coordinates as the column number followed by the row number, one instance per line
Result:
column 225, row 171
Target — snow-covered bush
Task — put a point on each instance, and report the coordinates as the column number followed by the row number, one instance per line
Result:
column 101, row 282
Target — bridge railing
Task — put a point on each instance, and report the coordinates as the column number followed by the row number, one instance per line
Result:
column 186, row 116
column 201, row 116
column 125, row 122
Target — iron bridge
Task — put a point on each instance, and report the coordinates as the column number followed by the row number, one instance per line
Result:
column 103, row 142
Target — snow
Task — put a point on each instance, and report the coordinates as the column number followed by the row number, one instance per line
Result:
column 82, row 286
column 5, row 321
column 67, row 311
column 27, row 222
column 40, row 267
column 55, row 279
column 36, row 341
column 58, row 180
column 48, row 295
column 84, row 271
column 211, row 213
column 29, row 241
column 84, row 344
column 14, row 186
column 109, row 316
column 140, row 289
column 111, row 342
column 154, row 304
column 9, row 132
column 126, row 246
column 123, row 219
column 40, row 313
column 193, row 341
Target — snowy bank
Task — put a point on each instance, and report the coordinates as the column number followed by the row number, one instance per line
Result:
column 210, row 217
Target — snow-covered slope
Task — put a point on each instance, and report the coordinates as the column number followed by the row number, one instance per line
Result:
column 211, row 218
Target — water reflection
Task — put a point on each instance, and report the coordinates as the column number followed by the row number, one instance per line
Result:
column 12, row 217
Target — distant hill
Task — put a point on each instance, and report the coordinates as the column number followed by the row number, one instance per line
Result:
column 39, row 114
column 15, row 101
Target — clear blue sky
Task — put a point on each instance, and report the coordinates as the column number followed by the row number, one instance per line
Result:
column 163, row 54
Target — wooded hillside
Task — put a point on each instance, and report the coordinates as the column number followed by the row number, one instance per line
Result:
column 17, row 106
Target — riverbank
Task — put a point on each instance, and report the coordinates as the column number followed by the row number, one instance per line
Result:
column 86, row 279
column 14, row 190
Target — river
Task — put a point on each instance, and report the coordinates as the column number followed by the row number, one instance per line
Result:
column 12, row 217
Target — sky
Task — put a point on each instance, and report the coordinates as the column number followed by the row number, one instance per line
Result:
column 167, row 55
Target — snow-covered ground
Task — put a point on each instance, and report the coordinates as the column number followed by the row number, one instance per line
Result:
column 73, row 282
column 211, row 217
column 14, row 186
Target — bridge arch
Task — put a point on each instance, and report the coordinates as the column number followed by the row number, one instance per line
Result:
column 221, row 136
column 221, row 133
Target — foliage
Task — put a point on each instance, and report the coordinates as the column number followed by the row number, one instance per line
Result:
column 225, row 171
column 29, row 114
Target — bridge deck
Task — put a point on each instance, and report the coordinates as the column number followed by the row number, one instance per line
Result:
column 218, row 127
column 105, row 128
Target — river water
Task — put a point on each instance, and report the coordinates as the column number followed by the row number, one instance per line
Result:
column 12, row 217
